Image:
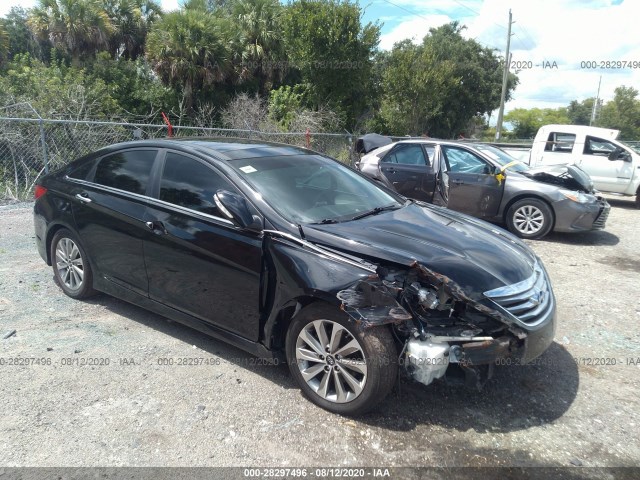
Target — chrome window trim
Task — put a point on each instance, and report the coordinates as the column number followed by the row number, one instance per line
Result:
column 150, row 200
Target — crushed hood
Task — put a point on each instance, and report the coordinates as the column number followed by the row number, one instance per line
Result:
column 476, row 255
column 571, row 177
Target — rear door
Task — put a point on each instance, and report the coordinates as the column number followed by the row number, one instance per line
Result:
column 109, row 208
column 408, row 169
column 197, row 260
column 473, row 187
column 607, row 175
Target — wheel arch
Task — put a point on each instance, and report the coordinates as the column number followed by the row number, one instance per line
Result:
column 51, row 231
column 276, row 331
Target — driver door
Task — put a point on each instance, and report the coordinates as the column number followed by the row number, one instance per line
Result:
column 607, row 175
column 474, row 188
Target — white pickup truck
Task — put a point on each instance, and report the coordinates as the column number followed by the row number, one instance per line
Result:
column 613, row 166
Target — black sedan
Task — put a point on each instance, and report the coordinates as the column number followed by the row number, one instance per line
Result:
column 295, row 257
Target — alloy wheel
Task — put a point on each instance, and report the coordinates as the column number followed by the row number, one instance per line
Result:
column 69, row 264
column 331, row 361
column 528, row 219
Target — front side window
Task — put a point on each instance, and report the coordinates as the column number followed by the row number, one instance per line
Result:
column 502, row 158
column 191, row 184
column 127, row 171
column 463, row 161
column 597, row 146
column 406, row 155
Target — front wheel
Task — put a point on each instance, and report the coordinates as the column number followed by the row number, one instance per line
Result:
column 338, row 367
column 638, row 198
column 530, row 218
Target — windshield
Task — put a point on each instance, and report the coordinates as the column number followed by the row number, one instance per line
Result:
column 312, row 188
column 501, row 157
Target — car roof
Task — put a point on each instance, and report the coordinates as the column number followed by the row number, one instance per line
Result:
column 223, row 148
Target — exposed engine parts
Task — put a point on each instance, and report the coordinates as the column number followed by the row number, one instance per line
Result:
column 437, row 323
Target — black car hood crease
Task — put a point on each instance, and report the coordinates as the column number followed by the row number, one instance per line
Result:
column 474, row 254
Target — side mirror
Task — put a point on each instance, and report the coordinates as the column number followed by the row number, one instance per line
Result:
column 236, row 209
column 619, row 154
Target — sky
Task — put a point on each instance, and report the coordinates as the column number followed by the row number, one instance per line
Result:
column 554, row 44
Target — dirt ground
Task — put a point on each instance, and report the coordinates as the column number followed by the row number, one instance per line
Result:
column 98, row 383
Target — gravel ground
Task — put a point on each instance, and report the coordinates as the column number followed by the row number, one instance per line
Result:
column 568, row 410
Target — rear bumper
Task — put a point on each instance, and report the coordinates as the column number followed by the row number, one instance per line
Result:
column 40, row 227
column 577, row 217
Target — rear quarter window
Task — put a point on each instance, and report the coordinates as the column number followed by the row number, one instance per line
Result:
column 80, row 170
column 128, row 171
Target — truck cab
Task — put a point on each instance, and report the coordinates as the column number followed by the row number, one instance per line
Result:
column 613, row 166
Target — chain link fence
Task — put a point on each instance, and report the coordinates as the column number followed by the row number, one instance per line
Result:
column 31, row 147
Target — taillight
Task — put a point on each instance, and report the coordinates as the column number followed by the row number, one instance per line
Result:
column 39, row 191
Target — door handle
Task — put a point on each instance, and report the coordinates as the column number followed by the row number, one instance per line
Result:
column 83, row 197
column 156, row 227
column 458, row 182
column 390, row 170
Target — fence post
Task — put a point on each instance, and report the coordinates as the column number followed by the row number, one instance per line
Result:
column 43, row 140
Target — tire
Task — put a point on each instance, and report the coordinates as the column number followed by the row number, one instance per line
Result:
column 371, row 360
column 530, row 218
column 71, row 265
column 638, row 198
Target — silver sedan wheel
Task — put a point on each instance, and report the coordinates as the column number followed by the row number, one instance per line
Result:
column 331, row 361
column 69, row 264
column 528, row 219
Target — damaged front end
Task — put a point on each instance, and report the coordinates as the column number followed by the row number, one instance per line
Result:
column 446, row 332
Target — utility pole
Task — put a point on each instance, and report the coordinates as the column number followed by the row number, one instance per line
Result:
column 595, row 103
column 505, row 77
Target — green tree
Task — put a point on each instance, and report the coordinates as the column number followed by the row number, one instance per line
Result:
column 4, row 45
column 21, row 39
column 79, row 28
column 259, row 47
column 579, row 113
column 333, row 52
column 131, row 20
column 477, row 71
column 526, row 122
column 622, row 113
column 57, row 90
column 412, row 89
column 133, row 86
column 188, row 49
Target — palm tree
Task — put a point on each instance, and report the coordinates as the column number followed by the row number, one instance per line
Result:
column 258, row 41
column 131, row 20
column 188, row 49
column 77, row 27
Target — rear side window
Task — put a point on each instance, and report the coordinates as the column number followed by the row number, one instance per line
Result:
column 191, row 184
column 406, row 155
column 127, row 171
column 81, row 170
column 560, row 142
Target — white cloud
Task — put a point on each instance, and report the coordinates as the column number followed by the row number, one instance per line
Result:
column 414, row 28
column 567, row 32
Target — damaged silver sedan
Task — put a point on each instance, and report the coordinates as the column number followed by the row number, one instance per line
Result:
column 294, row 257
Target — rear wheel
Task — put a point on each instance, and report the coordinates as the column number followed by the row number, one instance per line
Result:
column 530, row 218
column 70, row 265
column 337, row 366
